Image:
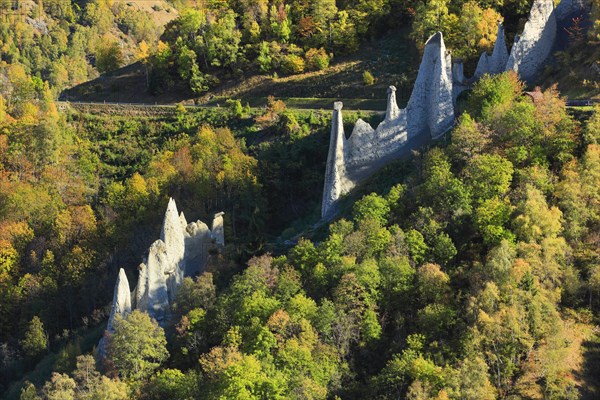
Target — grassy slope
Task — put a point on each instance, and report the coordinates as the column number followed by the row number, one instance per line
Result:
column 161, row 11
column 392, row 60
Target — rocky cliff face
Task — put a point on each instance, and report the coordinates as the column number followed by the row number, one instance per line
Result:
column 182, row 250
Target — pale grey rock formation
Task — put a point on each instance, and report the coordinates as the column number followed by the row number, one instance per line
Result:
column 121, row 305
column 183, row 220
column 460, row 82
column 491, row 64
column 217, row 229
column 155, row 299
column 534, row 45
column 198, row 242
column 429, row 112
column 458, row 73
column 392, row 111
column 182, row 250
column 430, row 108
column 172, row 234
column 494, row 63
column 334, row 186
column 439, row 99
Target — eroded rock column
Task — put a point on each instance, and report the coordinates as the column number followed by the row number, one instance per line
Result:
column 335, row 163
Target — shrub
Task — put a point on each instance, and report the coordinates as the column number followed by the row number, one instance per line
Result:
column 292, row 64
column 317, row 59
column 264, row 58
column 275, row 109
column 234, row 106
column 368, row 78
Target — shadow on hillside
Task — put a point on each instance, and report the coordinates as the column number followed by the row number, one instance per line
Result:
column 124, row 85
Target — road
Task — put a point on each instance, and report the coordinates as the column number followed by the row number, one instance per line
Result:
column 157, row 107
column 83, row 104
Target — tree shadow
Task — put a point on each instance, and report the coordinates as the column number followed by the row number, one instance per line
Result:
column 125, row 85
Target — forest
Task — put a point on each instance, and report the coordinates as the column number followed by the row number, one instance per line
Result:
column 469, row 271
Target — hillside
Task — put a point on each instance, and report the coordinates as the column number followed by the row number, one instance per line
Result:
column 391, row 59
column 183, row 252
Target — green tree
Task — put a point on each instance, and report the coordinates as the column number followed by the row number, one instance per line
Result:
column 317, row 59
column 536, row 220
column 221, row 42
column 172, row 384
column 59, row 387
column 488, row 175
column 264, row 58
column 235, row 108
column 344, row 35
column 368, row 78
column 98, row 14
column 292, row 64
column 417, row 247
column 473, row 31
column 92, row 385
column 591, row 134
column 447, row 194
column 35, row 340
column 432, row 283
column 280, row 22
column 371, row 206
column 430, row 17
column 199, row 82
column 137, row 346
column 109, row 56
column 29, row 392
column 493, row 94
column 492, row 218
column 235, row 375
column 185, row 62
column 469, row 139
column 472, row 380
column 499, row 263
column 195, row 293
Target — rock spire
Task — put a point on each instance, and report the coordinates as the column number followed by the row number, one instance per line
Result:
column 534, row 45
column 429, row 112
column 182, row 250
column 121, row 305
